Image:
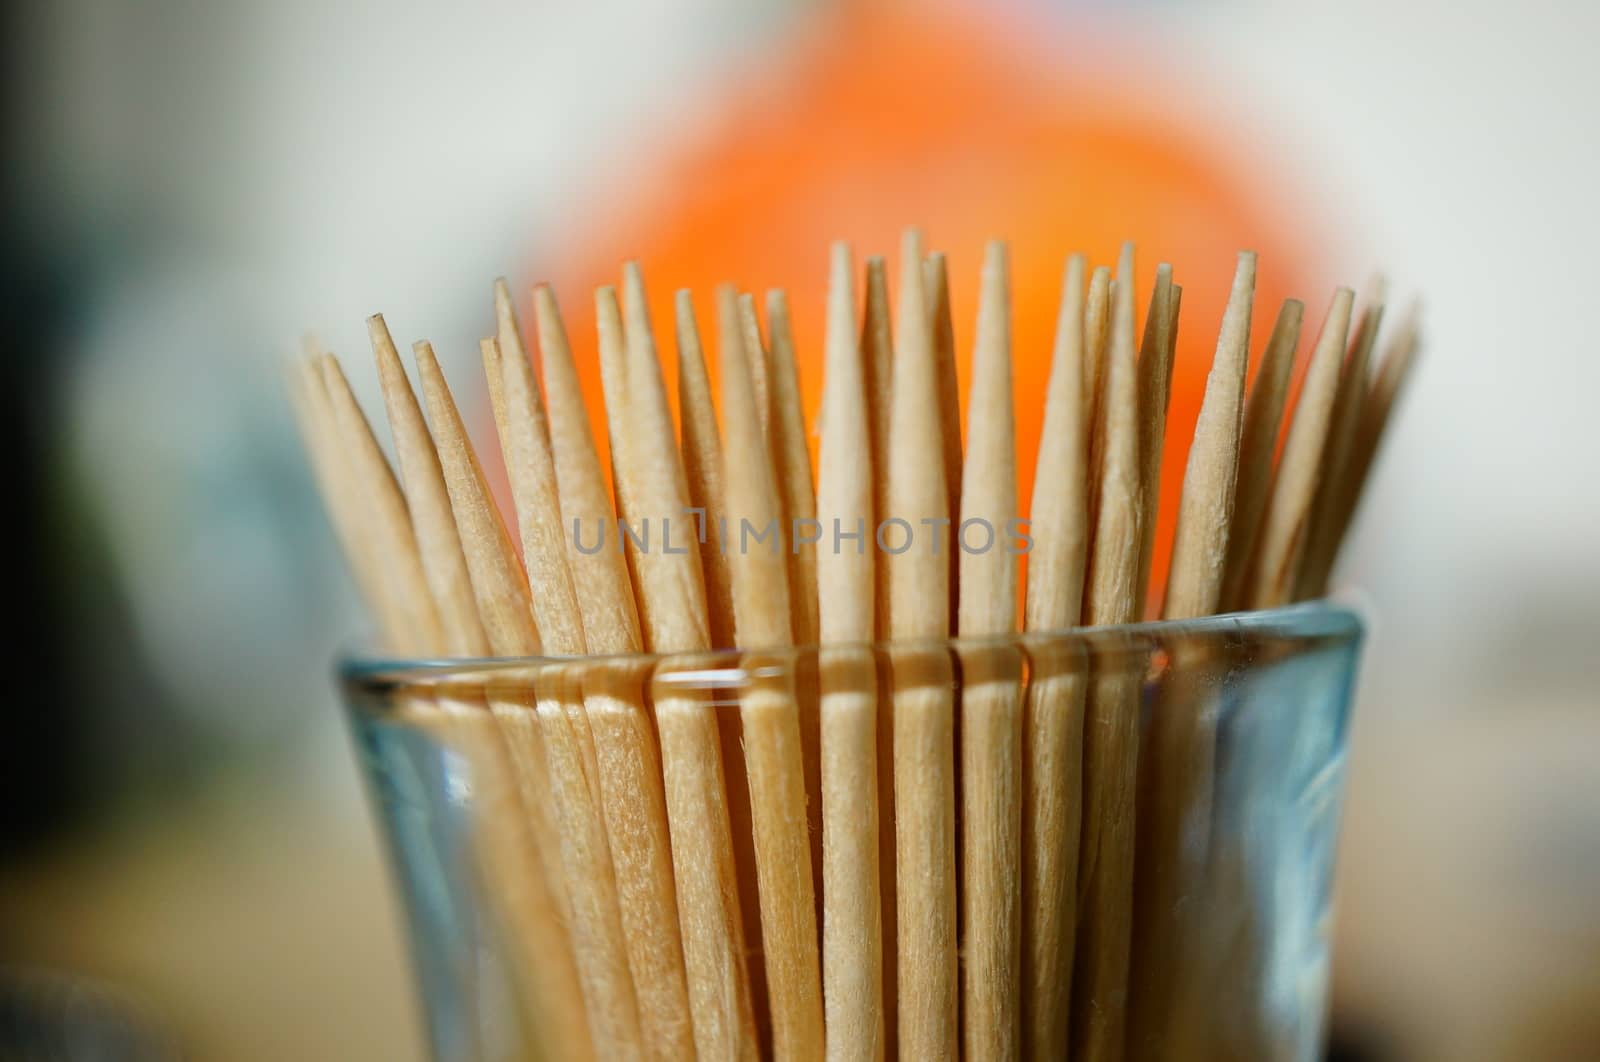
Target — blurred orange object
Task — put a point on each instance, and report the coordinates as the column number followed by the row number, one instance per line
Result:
column 882, row 117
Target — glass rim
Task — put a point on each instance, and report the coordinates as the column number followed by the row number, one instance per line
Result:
column 1317, row 621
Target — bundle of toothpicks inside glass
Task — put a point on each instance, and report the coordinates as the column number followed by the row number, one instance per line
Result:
column 679, row 894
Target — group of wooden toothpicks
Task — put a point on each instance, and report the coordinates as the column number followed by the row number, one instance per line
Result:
column 902, row 850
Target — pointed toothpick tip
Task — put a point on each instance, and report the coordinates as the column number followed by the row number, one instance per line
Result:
column 911, row 244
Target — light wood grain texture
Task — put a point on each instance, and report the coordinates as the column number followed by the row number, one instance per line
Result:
column 845, row 568
column 630, row 768
column 792, row 458
column 415, row 619
column 532, row 904
column 342, row 494
column 771, row 727
column 716, row 952
column 1343, row 429
column 530, row 462
column 877, row 353
column 673, row 605
column 509, row 341
column 988, row 605
column 388, row 557
column 613, row 380
column 489, row 354
column 508, row 333
column 559, row 778
column 852, row 921
column 1096, row 334
column 1111, row 725
column 1205, row 509
column 1283, row 529
column 1058, row 519
column 522, row 887
column 1096, row 350
column 439, row 544
column 530, row 468
column 1155, row 383
column 549, row 742
column 1053, row 715
column 670, row 587
column 1109, row 594
column 1175, row 762
column 797, row 502
column 786, row 450
column 1377, row 407
column 991, row 693
column 1263, row 417
column 702, row 466
column 504, row 604
column 730, row 344
column 924, row 723
column 936, row 281
column 534, row 740
column 525, row 452
column 599, row 572
column 1176, row 782
column 918, row 576
column 520, row 892
column 576, row 732
column 760, row 370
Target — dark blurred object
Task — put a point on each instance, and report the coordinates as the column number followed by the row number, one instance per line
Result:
column 1352, row 1042
column 51, row 1017
column 41, row 743
column 84, row 717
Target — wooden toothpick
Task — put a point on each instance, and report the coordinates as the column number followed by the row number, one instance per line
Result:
column 1111, row 726
column 416, row 619
column 924, row 782
column 1263, row 417
column 342, row 494
column 852, row 923
column 1283, row 529
column 702, row 466
column 1053, row 720
column 1097, row 315
column 1175, row 755
column 1205, row 512
column 773, row 760
column 1377, row 406
column 877, row 352
column 760, row 371
column 792, row 459
column 526, row 884
column 936, row 281
column 1155, row 383
column 1343, row 427
column 673, row 605
column 877, row 355
column 553, row 754
column 443, row 563
column 991, row 694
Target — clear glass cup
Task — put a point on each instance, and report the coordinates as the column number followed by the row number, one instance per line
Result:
column 1114, row 843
